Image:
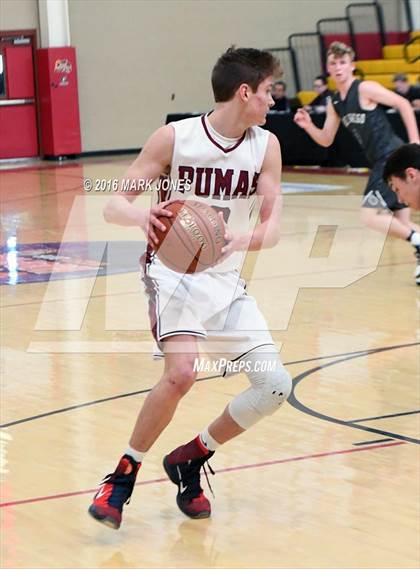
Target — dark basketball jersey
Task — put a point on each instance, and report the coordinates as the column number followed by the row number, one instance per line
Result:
column 370, row 128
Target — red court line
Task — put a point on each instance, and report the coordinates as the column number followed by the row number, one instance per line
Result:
column 229, row 469
column 42, row 167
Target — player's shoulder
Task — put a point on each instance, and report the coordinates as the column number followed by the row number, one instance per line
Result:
column 367, row 86
column 161, row 138
column 186, row 124
column 257, row 133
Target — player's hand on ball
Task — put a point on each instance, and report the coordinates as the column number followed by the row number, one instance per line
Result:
column 302, row 118
column 150, row 220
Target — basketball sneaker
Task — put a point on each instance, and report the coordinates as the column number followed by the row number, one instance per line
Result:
column 186, row 475
column 115, row 491
column 417, row 270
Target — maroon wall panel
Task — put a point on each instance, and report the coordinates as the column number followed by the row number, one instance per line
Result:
column 18, row 135
column 19, row 72
column 59, row 102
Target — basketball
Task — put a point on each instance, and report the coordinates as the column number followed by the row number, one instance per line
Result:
column 193, row 239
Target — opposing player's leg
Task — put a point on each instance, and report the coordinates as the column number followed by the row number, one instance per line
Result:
column 380, row 206
column 404, row 216
column 382, row 212
column 385, row 222
column 156, row 413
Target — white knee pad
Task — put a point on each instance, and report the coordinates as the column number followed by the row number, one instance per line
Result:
column 271, row 385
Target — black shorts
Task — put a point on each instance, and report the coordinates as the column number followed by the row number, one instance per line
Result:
column 378, row 194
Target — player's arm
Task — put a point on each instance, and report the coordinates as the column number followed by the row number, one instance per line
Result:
column 266, row 234
column 323, row 136
column 153, row 160
column 371, row 91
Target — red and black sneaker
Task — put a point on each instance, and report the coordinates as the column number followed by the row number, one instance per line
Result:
column 115, row 491
column 186, row 475
column 417, row 270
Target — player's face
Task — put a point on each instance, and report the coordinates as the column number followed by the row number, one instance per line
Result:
column 319, row 86
column 340, row 68
column 278, row 92
column 259, row 103
column 408, row 190
column 402, row 87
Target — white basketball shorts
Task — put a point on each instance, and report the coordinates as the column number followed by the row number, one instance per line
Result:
column 214, row 307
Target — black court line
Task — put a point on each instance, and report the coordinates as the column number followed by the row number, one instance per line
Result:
column 372, row 442
column 294, row 402
column 356, row 353
column 143, row 391
column 88, row 404
column 384, row 416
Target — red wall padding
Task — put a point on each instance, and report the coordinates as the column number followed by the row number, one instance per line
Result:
column 59, row 101
column 18, row 136
column 19, row 72
column 368, row 45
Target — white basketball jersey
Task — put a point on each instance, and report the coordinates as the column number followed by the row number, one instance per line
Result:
column 225, row 178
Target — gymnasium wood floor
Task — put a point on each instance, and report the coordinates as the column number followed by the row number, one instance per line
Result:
column 331, row 480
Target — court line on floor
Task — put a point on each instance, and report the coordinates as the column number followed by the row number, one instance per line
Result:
column 143, row 391
column 43, row 195
column 385, row 416
column 221, row 471
column 294, row 401
column 78, row 162
column 372, row 442
column 323, row 171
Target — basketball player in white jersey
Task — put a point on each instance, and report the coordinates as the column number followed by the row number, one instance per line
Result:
column 228, row 161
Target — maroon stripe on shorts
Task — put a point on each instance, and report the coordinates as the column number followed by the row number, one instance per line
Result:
column 151, row 290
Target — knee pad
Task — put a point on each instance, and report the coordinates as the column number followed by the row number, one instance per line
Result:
column 271, row 385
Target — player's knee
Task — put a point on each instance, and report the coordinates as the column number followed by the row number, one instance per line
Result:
column 270, row 378
column 367, row 215
column 181, row 378
column 261, row 399
column 274, row 393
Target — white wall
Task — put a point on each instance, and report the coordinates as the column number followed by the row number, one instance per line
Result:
column 18, row 14
column 132, row 55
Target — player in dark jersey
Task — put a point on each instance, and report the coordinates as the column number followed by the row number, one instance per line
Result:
column 402, row 172
column 357, row 105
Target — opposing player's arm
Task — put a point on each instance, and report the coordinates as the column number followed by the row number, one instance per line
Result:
column 323, row 136
column 373, row 92
column 153, row 160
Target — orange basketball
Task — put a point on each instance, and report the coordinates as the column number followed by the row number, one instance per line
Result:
column 193, row 239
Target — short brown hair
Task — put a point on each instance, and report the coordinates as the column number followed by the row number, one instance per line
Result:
column 406, row 156
column 338, row 49
column 242, row 65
